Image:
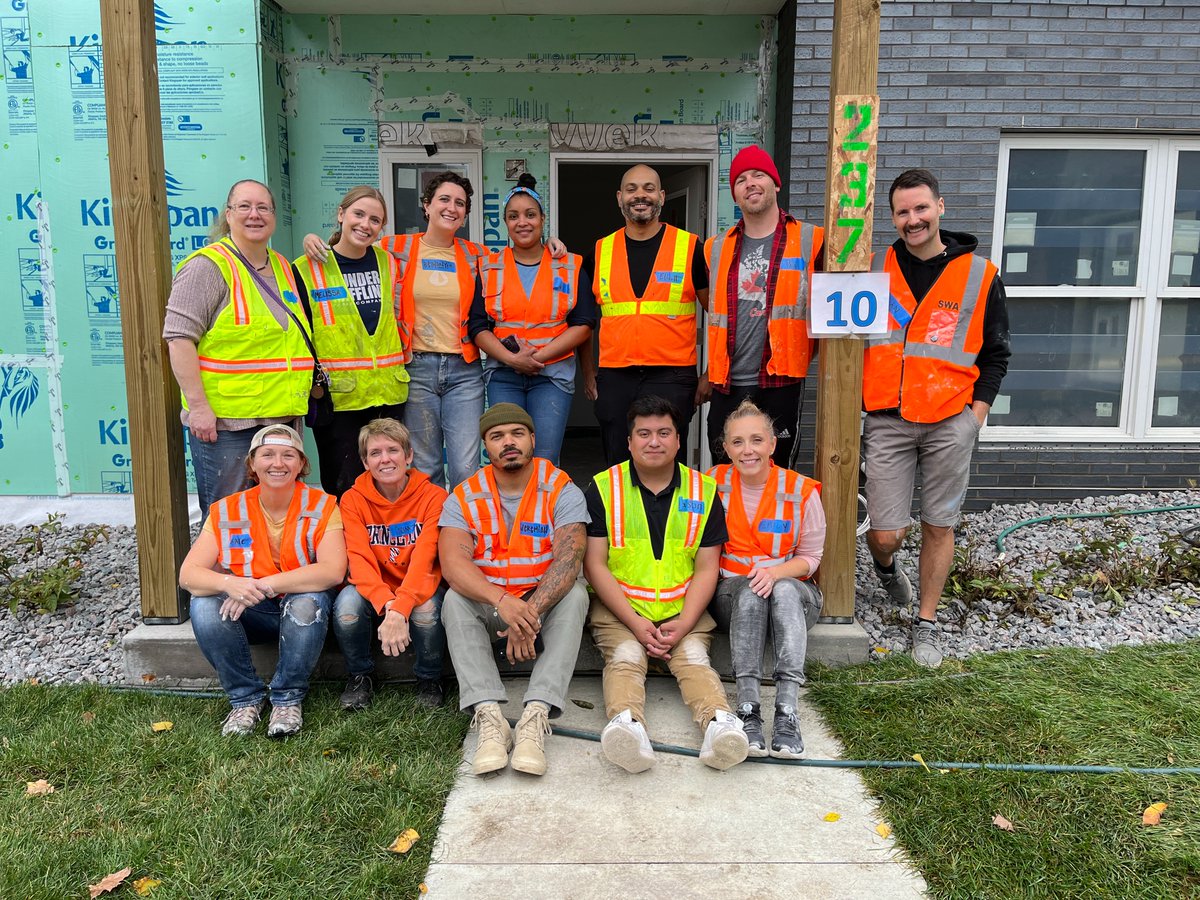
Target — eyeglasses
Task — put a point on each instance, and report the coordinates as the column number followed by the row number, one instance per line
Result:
column 243, row 209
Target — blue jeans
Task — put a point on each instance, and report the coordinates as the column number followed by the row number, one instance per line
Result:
column 547, row 403
column 355, row 623
column 445, row 404
column 297, row 621
column 220, row 466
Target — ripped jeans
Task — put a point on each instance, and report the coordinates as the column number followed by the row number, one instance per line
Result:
column 297, row 621
column 355, row 625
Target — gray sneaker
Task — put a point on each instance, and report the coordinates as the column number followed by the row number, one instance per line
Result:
column 242, row 720
column 358, row 693
column 285, row 721
column 752, row 724
column 896, row 583
column 927, row 647
column 786, row 742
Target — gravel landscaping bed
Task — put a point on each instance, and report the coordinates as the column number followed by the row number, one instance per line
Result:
column 82, row 642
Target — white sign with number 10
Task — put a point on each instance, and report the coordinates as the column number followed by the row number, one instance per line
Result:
column 849, row 303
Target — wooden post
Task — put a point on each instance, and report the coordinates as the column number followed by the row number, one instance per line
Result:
column 849, row 207
column 135, row 160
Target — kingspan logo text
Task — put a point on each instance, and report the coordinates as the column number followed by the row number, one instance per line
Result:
column 98, row 213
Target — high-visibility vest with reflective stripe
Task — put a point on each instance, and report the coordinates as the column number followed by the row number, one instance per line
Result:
column 925, row 366
column 787, row 329
column 245, row 547
column 515, row 560
column 658, row 328
column 406, row 249
column 537, row 318
column 365, row 370
column 772, row 535
column 250, row 367
column 655, row 588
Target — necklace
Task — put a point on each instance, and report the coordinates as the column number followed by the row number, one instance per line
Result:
column 241, row 251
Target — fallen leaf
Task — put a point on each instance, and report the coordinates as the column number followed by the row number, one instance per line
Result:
column 148, row 677
column 39, row 787
column 328, row 753
column 403, row 843
column 1153, row 813
column 108, row 882
column 144, row 886
column 1171, row 758
column 583, row 704
column 88, row 717
column 882, row 650
column 919, row 758
column 832, row 817
column 35, row 681
column 1000, row 822
column 884, row 830
column 162, row 726
column 423, row 888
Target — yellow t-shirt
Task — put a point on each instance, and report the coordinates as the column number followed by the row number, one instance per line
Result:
column 275, row 529
column 438, row 302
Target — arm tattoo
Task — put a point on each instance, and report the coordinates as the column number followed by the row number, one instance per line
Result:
column 569, row 544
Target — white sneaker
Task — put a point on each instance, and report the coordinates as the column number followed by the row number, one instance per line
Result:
column 725, row 743
column 626, row 744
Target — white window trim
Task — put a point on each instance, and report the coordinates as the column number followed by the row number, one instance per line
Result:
column 473, row 158
column 1141, row 353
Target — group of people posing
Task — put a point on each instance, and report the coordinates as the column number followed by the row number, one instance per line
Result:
column 394, row 329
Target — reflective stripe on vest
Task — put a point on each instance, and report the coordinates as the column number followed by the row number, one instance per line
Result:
column 537, row 318
column 517, row 558
column 925, row 363
column 658, row 328
column 365, row 370
column 791, row 347
column 655, row 588
column 251, row 366
column 773, row 533
column 244, row 540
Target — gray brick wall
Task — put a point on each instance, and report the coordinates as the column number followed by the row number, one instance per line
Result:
column 953, row 76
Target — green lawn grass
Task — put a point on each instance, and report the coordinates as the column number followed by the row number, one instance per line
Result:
column 218, row 817
column 1075, row 835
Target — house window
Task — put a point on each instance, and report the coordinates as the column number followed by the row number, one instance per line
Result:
column 1098, row 243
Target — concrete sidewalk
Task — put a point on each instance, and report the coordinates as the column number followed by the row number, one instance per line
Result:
column 589, row 831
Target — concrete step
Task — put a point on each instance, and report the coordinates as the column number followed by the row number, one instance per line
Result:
column 168, row 656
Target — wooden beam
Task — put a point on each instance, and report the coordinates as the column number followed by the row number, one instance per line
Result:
column 852, row 84
column 139, row 205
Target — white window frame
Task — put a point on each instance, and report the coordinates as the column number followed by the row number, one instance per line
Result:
column 472, row 158
column 1153, row 271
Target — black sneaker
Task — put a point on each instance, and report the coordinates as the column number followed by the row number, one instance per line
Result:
column 358, row 693
column 786, row 742
column 752, row 725
column 430, row 693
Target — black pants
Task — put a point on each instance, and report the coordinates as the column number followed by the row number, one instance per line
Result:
column 337, row 445
column 782, row 404
column 617, row 388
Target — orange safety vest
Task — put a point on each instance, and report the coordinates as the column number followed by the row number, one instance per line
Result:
column 406, row 248
column 773, row 534
column 925, row 364
column 787, row 329
column 538, row 318
column 519, row 559
column 658, row 328
column 245, row 545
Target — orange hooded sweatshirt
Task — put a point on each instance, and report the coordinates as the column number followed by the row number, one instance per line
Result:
column 393, row 546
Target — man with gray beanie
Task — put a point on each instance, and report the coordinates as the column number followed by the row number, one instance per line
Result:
column 511, row 545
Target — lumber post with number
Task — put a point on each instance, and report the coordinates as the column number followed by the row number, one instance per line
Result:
column 849, row 207
column 135, row 160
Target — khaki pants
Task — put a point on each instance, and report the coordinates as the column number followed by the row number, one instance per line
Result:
column 625, row 663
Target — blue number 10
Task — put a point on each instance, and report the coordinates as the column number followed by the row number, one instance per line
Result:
column 862, row 309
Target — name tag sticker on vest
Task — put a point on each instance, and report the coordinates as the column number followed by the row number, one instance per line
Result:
column 899, row 313
column 403, row 529
column 691, row 506
column 775, row 526
column 324, row 295
column 561, row 286
column 793, row 263
column 535, row 529
column 290, row 297
column 669, row 277
column 240, row 541
column 438, row 265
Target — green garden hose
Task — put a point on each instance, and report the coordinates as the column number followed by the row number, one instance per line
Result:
column 1066, row 517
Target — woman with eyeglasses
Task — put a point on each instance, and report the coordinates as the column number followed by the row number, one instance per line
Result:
column 238, row 340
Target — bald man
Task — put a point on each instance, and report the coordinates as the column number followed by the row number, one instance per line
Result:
column 647, row 279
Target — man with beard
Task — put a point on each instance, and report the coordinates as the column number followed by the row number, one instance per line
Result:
column 761, row 273
column 646, row 280
column 511, row 546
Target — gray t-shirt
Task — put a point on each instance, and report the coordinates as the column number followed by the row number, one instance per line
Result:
column 751, row 310
column 570, row 508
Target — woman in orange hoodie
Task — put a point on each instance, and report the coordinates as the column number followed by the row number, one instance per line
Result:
column 390, row 516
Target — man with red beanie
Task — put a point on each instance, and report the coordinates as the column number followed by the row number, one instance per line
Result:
column 760, row 276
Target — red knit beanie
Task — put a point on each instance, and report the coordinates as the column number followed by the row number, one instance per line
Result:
column 752, row 158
